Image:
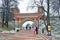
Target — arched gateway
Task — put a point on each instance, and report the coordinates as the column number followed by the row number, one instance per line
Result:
column 21, row 18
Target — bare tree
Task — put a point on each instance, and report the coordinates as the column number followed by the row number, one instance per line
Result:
column 55, row 6
column 7, row 11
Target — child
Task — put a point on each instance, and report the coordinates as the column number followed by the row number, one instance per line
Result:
column 34, row 31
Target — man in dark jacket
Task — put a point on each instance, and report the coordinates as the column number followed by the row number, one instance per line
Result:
column 36, row 30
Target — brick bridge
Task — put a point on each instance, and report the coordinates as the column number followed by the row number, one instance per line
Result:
column 23, row 17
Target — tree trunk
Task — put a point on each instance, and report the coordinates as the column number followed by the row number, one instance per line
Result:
column 48, row 18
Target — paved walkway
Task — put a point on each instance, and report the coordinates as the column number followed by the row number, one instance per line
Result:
column 25, row 35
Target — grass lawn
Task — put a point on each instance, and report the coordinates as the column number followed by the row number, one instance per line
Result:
column 5, row 28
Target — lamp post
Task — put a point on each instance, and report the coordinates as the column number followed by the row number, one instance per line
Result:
column 18, row 22
column 48, row 20
column 14, row 22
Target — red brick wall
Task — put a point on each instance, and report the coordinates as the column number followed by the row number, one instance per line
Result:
column 39, row 14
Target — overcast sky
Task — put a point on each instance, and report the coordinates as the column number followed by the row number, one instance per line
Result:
column 23, row 7
column 24, row 4
column 0, row 2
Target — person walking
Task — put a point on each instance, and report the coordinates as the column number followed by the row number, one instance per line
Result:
column 26, row 27
column 34, row 31
column 42, row 27
column 37, row 30
column 30, row 27
column 49, row 30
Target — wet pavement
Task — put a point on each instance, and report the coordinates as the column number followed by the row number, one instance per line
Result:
column 24, row 35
